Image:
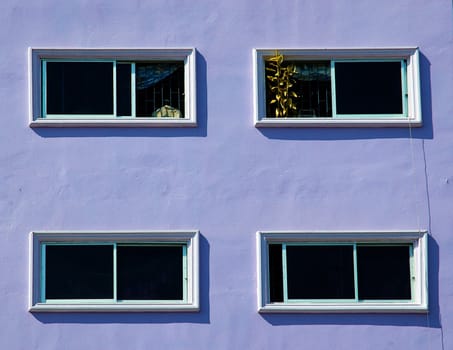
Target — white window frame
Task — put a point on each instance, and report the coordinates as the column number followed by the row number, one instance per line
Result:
column 412, row 107
column 419, row 285
column 38, row 55
column 189, row 238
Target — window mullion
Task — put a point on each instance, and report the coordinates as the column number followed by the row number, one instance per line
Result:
column 412, row 271
column 404, row 94
column 184, row 273
column 115, row 297
column 285, row 274
column 333, row 89
column 356, row 280
column 133, row 91
column 114, row 89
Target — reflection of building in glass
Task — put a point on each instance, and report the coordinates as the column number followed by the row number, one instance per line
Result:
column 160, row 85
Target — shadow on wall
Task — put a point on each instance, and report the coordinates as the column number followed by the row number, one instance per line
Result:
column 344, row 133
column 199, row 131
column 429, row 320
column 203, row 316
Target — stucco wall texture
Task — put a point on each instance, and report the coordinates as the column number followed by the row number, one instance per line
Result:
column 225, row 177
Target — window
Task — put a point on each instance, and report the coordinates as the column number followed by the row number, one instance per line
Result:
column 342, row 272
column 338, row 87
column 114, row 271
column 94, row 87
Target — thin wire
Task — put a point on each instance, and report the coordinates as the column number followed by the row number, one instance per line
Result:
column 418, row 214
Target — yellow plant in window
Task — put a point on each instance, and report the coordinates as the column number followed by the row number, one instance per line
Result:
column 280, row 81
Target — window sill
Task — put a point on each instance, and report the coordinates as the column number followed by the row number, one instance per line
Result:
column 111, row 123
column 114, row 308
column 329, row 122
column 345, row 308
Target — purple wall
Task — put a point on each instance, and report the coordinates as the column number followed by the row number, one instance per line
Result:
column 226, row 178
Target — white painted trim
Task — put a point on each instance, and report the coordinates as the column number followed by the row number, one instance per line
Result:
column 191, row 237
column 112, row 123
column 419, row 239
column 343, row 308
column 411, row 54
column 188, row 55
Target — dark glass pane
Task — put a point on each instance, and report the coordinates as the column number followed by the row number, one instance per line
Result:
column 160, row 89
column 312, row 85
column 275, row 273
column 79, row 88
column 79, row 272
column 383, row 272
column 149, row 273
column 320, row 272
column 123, row 89
column 368, row 88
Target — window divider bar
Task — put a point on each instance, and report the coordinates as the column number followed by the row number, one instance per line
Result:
column 412, row 273
column 285, row 274
column 115, row 294
column 133, row 91
column 114, row 90
column 356, row 276
column 184, row 272
column 333, row 92
column 404, row 91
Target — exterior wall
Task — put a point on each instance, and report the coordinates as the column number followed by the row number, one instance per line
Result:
column 226, row 178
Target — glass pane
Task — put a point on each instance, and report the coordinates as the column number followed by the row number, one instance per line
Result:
column 368, row 87
column 275, row 273
column 149, row 273
column 123, row 89
column 320, row 272
column 160, row 89
column 79, row 272
column 79, row 87
column 310, row 91
column 384, row 272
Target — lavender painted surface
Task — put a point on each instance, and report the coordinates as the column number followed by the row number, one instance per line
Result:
column 225, row 178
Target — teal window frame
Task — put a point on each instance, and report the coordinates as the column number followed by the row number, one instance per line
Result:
column 354, row 245
column 410, row 116
column 114, row 279
column 279, row 302
column 133, row 115
column 44, row 113
column 39, row 57
column 187, row 239
column 404, row 93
